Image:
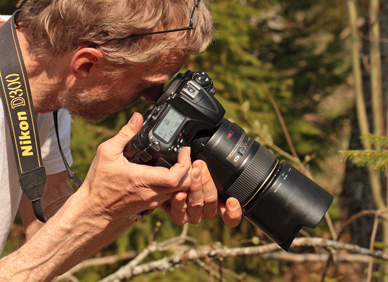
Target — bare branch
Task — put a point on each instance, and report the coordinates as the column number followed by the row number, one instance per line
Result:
column 364, row 213
column 283, row 124
column 303, row 258
column 151, row 248
column 203, row 252
column 210, row 270
column 95, row 262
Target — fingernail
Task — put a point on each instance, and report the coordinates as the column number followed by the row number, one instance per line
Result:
column 134, row 119
column 196, row 173
column 233, row 204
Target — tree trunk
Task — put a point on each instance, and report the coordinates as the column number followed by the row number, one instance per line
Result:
column 356, row 194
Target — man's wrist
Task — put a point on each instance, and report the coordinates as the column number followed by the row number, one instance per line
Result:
column 73, row 234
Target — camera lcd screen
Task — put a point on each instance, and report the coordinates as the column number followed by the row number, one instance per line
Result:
column 169, row 125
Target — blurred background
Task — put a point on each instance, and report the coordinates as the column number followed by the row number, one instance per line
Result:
column 284, row 72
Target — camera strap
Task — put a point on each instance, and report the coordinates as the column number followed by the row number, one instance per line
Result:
column 17, row 103
column 77, row 182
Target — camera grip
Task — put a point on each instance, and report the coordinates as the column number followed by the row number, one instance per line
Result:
column 149, row 155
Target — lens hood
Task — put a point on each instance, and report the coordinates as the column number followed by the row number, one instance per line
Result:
column 288, row 203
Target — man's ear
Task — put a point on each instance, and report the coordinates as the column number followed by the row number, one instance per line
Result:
column 83, row 61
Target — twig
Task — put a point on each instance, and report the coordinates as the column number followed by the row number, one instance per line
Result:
column 130, row 268
column 187, row 254
column 303, row 258
column 239, row 277
column 283, row 153
column 19, row 3
column 156, row 230
column 381, row 214
column 359, row 215
column 96, row 262
column 220, row 260
column 193, row 255
column 282, row 123
column 371, row 245
column 208, row 269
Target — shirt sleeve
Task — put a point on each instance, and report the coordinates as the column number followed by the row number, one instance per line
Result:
column 52, row 159
column 4, row 18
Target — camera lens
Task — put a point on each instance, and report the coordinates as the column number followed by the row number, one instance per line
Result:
column 240, row 166
column 276, row 197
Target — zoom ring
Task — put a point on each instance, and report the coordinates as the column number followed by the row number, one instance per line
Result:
column 253, row 176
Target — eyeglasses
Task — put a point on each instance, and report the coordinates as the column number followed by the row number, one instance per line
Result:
column 192, row 25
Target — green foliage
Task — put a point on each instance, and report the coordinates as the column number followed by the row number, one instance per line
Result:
column 7, row 7
column 288, row 49
column 363, row 158
column 381, row 141
column 247, row 62
column 313, row 61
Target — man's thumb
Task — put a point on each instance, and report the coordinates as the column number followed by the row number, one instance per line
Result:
column 129, row 130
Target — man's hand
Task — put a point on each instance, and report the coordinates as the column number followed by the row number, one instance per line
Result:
column 201, row 201
column 185, row 191
column 118, row 188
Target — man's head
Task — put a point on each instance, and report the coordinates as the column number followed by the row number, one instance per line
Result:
column 57, row 27
column 101, row 75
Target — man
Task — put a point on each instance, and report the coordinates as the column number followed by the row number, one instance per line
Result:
column 79, row 55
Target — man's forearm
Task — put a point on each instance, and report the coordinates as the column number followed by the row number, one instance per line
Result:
column 58, row 190
column 69, row 237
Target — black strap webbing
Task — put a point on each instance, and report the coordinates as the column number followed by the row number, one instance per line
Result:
column 20, row 114
column 77, row 182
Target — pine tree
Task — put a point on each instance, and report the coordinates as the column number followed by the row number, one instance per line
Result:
column 376, row 158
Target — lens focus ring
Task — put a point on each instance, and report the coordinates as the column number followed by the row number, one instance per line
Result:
column 254, row 175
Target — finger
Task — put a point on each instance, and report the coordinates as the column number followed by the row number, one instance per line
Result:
column 195, row 197
column 126, row 133
column 184, row 157
column 177, row 207
column 209, row 191
column 179, row 173
column 231, row 212
column 164, row 180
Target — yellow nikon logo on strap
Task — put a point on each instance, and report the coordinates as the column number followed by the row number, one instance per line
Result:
column 15, row 91
column 24, row 137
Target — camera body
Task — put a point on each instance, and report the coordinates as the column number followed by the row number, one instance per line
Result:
column 275, row 196
column 184, row 109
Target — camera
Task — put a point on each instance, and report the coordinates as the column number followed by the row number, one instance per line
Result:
column 275, row 196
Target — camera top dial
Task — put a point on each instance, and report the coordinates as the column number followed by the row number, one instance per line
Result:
column 204, row 81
